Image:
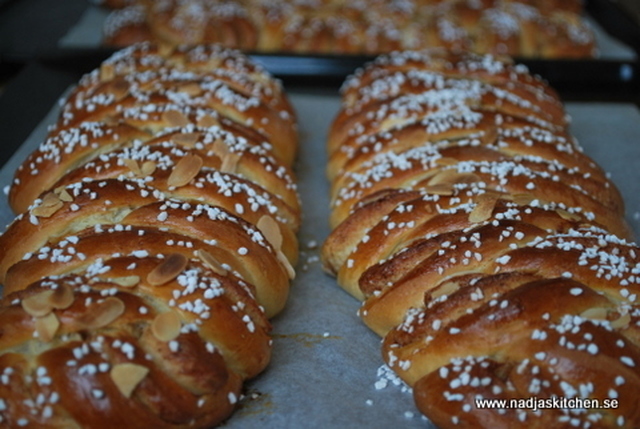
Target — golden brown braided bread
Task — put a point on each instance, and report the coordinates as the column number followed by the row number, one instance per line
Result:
column 489, row 251
column 528, row 28
column 156, row 236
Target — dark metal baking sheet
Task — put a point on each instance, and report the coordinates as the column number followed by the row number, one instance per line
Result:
column 604, row 80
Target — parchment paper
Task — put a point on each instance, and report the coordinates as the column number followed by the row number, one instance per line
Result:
column 324, row 370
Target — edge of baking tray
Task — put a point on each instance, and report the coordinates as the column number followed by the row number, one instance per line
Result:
column 579, row 77
column 619, row 18
column 618, row 75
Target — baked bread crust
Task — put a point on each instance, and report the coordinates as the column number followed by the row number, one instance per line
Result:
column 155, row 238
column 490, row 253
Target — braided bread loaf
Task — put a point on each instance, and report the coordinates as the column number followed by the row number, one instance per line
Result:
column 528, row 28
column 489, row 251
column 156, row 237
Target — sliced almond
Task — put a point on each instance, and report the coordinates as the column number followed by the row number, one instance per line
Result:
column 439, row 189
column 38, row 305
column 572, row 217
column 185, row 170
column 119, row 88
column 175, row 118
column 62, row 297
column 63, row 194
column 522, row 199
column 47, row 326
column 444, row 289
column 286, row 264
column 376, row 196
column 595, row 313
column 443, row 176
column 164, row 49
column 125, row 281
column 110, row 120
column 107, row 72
column 270, row 229
column 447, row 161
column 50, row 199
column 49, row 205
column 167, row 270
column 191, row 88
column 208, row 121
column 229, row 163
column 211, row 262
column 44, row 302
column 621, row 322
column 220, row 148
column 132, row 165
column 485, row 203
column 166, row 326
column 185, row 139
column 102, row 313
column 45, row 212
column 489, row 135
column 452, row 177
column 127, row 376
column 228, row 159
column 148, row 168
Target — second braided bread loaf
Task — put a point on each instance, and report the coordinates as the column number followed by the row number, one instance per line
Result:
column 489, row 251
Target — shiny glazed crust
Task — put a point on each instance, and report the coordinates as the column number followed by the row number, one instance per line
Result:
column 490, row 253
column 155, row 237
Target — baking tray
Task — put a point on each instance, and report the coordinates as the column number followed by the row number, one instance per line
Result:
column 615, row 71
column 326, row 370
column 28, row 32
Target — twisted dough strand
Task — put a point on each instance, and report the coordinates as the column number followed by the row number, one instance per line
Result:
column 155, row 238
column 489, row 251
